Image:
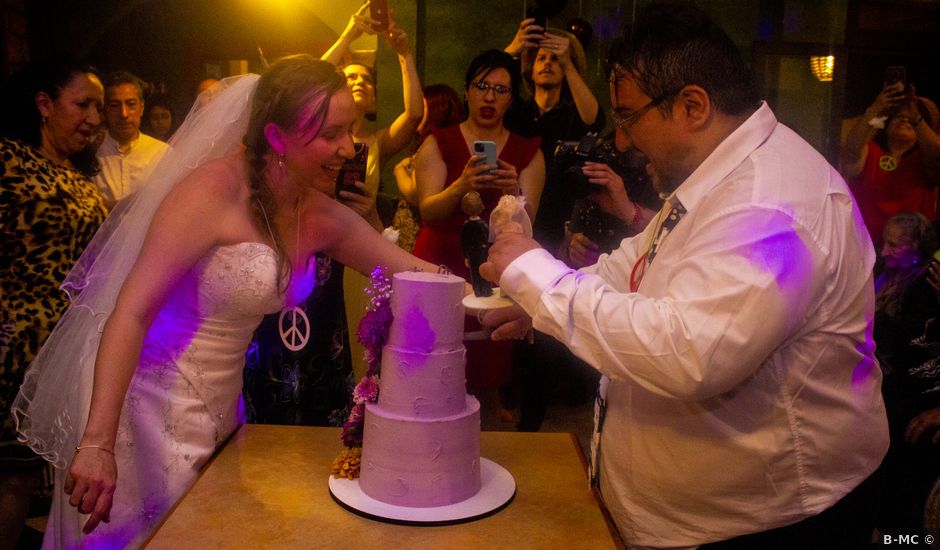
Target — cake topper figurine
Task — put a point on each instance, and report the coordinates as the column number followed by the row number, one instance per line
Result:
column 474, row 240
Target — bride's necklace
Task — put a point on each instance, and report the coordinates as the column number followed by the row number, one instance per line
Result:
column 293, row 325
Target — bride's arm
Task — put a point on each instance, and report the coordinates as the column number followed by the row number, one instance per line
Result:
column 186, row 225
column 346, row 237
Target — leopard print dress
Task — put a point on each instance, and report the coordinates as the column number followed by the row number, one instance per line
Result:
column 48, row 214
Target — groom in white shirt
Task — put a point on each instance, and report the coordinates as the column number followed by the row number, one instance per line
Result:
column 743, row 404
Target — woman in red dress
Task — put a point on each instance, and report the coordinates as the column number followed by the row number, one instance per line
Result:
column 446, row 170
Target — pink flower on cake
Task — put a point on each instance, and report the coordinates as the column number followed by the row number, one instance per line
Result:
column 352, row 429
column 366, row 390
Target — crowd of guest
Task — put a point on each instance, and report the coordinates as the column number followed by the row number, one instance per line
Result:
column 77, row 145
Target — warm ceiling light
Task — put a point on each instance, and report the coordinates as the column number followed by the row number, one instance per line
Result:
column 822, row 66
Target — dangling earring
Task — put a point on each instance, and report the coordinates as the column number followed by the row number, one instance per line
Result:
column 43, row 120
column 281, row 166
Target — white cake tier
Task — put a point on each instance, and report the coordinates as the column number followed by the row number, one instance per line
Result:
column 421, row 463
column 423, row 385
column 428, row 311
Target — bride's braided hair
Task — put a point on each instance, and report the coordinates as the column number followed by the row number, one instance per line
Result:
column 294, row 93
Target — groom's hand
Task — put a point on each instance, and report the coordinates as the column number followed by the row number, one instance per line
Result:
column 506, row 248
column 510, row 323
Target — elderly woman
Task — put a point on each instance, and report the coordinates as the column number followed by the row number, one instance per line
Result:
column 891, row 158
column 50, row 211
column 446, row 170
column 905, row 308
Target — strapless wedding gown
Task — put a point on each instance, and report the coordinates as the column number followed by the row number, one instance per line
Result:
column 185, row 397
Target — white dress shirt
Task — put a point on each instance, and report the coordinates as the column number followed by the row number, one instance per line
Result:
column 122, row 174
column 744, row 393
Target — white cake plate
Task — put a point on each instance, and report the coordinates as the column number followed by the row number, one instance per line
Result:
column 496, row 492
column 484, row 303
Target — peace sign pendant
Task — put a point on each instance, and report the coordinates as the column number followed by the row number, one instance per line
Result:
column 888, row 163
column 293, row 326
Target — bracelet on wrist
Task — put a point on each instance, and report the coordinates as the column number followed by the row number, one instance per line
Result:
column 636, row 215
column 100, row 447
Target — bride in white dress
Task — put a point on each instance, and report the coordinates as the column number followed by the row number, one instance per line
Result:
column 140, row 382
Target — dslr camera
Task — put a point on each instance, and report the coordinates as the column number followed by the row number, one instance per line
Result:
column 570, row 157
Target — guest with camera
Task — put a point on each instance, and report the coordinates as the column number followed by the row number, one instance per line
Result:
column 619, row 201
column 891, row 157
column 561, row 108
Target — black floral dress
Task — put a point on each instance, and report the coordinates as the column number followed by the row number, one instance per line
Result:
column 298, row 369
column 48, row 214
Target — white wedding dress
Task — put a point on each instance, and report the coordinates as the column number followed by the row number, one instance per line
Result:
column 185, row 397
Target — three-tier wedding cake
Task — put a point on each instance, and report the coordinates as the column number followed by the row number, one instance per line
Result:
column 421, row 440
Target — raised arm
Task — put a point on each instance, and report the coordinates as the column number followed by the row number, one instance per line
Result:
column 359, row 23
column 584, row 100
column 397, row 136
column 855, row 149
column 185, row 226
column 528, row 35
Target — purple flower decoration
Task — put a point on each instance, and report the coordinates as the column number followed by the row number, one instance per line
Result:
column 352, row 429
column 366, row 390
column 373, row 334
column 376, row 323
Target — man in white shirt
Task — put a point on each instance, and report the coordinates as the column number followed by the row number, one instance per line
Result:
column 127, row 156
column 743, row 404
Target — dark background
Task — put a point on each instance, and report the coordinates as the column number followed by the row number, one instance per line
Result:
column 176, row 43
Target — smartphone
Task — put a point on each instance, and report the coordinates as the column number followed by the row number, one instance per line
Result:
column 487, row 150
column 353, row 170
column 537, row 13
column 378, row 10
column 896, row 73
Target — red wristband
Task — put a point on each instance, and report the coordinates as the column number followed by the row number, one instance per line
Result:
column 636, row 214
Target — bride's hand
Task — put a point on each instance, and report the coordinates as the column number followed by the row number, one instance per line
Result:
column 90, row 482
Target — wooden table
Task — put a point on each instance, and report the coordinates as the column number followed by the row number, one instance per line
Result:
column 268, row 489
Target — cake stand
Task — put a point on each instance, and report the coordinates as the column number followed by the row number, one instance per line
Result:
column 496, row 492
column 485, row 303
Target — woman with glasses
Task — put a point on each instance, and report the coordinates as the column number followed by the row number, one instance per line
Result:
column 446, row 170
